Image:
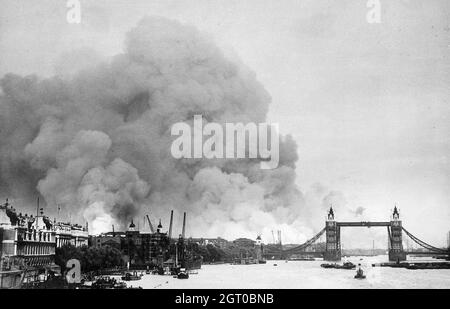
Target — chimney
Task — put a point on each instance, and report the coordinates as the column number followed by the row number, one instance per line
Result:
column 150, row 225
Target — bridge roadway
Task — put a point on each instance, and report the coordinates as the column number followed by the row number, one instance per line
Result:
column 363, row 223
column 407, row 252
column 426, row 253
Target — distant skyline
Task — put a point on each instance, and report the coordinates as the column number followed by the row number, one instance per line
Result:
column 367, row 104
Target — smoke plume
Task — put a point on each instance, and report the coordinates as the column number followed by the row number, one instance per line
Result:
column 97, row 143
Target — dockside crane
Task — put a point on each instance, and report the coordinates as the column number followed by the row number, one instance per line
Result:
column 184, row 225
column 170, row 225
column 150, row 224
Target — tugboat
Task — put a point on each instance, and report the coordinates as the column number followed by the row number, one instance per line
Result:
column 360, row 273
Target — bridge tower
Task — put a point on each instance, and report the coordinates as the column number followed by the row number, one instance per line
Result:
column 333, row 238
column 396, row 252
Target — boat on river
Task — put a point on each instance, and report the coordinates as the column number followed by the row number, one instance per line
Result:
column 183, row 274
column 346, row 265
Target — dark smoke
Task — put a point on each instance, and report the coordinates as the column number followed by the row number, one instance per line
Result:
column 98, row 142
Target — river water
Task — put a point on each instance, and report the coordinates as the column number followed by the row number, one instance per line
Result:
column 300, row 274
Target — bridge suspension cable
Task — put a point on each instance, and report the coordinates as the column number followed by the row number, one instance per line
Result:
column 424, row 244
column 307, row 243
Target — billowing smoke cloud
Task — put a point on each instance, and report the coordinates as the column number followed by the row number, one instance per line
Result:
column 98, row 142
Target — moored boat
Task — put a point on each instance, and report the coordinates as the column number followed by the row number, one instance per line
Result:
column 346, row 265
column 104, row 283
column 262, row 261
column 131, row 276
column 183, row 274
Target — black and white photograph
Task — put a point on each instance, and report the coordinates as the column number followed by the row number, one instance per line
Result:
column 195, row 145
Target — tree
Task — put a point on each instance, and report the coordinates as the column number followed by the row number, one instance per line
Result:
column 65, row 253
column 91, row 258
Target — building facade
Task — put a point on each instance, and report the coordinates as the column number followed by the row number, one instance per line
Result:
column 244, row 242
column 28, row 245
column 149, row 250
column 111, row 239
column 27, row 250
column 70, row 234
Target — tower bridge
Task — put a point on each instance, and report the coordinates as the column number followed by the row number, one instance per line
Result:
column 332, row 231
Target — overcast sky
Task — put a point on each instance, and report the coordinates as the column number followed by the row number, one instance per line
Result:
column 368, row 104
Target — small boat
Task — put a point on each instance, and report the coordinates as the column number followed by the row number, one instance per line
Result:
column 183, row 274
column 157, row 271
column 131, row 277
column 275, row 264
column 360, row 273
column 328, row 265
column 346, row 265
column 105, row 283
column 262, row 261
column 120, row 285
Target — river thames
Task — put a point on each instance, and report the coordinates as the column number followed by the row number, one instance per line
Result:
column 301, row 275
